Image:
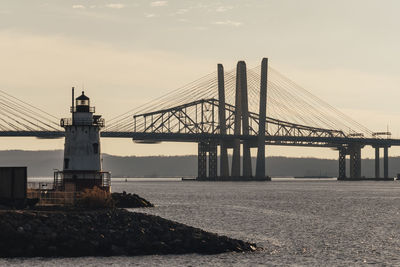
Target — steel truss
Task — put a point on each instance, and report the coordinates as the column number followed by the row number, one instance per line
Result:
column 201, row 117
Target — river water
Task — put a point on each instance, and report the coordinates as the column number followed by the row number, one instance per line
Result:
column 296, row 221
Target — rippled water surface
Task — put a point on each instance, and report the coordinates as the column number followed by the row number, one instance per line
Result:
column 297, row 222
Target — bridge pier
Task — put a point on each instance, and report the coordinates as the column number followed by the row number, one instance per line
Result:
column 377, row 163
column 386, row 162
column 354, row 151
column 212, row 160
column 204, row 149
column 202, row 160
column 342, row 163
column 355, row 161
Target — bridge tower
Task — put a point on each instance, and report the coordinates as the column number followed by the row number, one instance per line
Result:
column 241, row 124
column 82, row 166
column 238, row 120
column 241, row 168
column 260, row 166
column 224, row 163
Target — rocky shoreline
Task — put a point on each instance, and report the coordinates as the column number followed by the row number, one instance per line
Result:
column 30, row 233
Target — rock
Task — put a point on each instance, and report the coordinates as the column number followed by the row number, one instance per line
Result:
column 27, row 227
column 128, row 200
column 116, row 250
column 53, row 235
column 52, row 250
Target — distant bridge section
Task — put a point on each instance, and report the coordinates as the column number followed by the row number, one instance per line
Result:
column 223, row 109
column 238, row 109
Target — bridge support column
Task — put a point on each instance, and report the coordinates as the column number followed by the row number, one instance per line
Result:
column 202, row 160
column 238, row 123
column 212, row 160
column 247, row 171
column 386, row 162
column 355, row 161
column 377, row 170
column 260, row 165
column 224, row 164
column 342, row 163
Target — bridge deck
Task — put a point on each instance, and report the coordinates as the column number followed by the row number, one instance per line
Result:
column 180, row 137
column 228, row 139
column 272, row 140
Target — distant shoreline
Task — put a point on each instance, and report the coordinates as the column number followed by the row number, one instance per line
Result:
column 41, row 164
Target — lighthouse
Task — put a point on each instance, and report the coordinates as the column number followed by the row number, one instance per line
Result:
column 82, row 166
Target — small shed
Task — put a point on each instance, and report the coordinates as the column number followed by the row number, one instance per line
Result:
column 13, row 183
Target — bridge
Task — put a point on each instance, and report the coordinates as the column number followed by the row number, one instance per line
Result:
column 238, row 109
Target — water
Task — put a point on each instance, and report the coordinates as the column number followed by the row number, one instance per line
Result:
column 297, row 222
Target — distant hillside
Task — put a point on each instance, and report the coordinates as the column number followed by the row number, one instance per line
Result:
column 39, row 163
column 42, row 163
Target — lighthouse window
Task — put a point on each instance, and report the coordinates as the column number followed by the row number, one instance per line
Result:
column 82, row 103
column 66, row 163
column 95, row 148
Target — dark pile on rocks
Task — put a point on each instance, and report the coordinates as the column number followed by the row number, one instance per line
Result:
column 124, row 200
column 104, row 233
column 6, row 203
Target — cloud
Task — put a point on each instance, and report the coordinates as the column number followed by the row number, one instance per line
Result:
column 200, row 28
column 229, row 23
column 223, row 8
column 115, row 5
column 78, row 6
column 181, row 11
column 159, row 3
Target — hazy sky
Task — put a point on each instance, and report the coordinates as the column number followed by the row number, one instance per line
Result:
column 125, row 53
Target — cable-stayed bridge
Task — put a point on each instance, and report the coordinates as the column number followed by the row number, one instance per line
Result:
column 236, row 109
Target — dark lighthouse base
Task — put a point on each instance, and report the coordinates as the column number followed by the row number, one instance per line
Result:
column 71, row 181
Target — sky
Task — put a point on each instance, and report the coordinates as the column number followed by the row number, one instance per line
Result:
column 125, row 53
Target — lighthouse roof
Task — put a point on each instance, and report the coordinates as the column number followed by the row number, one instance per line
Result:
column 82, row 97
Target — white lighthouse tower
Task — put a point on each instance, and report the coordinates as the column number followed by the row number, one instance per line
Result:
column 82, row 166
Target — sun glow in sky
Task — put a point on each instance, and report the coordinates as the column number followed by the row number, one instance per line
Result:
column 125, row 53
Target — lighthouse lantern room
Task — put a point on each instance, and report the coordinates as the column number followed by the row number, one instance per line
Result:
column 82, row 167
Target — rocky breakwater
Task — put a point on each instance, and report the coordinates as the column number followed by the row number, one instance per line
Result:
column 104, row 233
column 128, row 200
